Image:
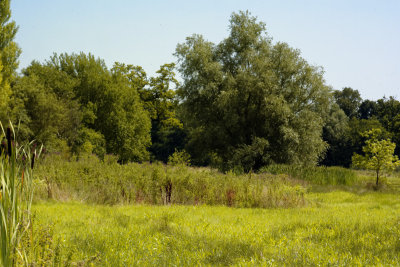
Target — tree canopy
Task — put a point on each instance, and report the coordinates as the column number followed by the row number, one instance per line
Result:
column 9, row 53
column 250, row 102
column 349, row 101
column 75, row 98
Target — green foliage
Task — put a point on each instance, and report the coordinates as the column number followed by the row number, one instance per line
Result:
column 77, row 100
column 44, row 106
column 111, row 105
column 90, row 142
column 349, row 100
column 9, row 53
column 159, row 97
column 316, row 175
column 179, row 158
column 378, row 154
column 364, row 116
column 247, row 157
column 342, row 147
column 245, row 91
column 387, row 112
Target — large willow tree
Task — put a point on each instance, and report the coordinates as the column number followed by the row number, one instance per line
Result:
column 247, row 101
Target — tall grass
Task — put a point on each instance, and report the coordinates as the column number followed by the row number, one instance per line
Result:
column 108, row 182
column 320, row 175
column 16, row 164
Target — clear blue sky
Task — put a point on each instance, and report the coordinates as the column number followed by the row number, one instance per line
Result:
column 356, row 42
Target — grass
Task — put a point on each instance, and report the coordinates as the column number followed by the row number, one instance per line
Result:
column 338, row 228
column 93, row 181
column 320, row 175
column 92, row 213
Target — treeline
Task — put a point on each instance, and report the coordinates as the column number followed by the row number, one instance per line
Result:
column 75, row 103
column 362, row 115
column 243, row 103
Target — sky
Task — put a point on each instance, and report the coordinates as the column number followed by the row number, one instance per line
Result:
column 356, row 42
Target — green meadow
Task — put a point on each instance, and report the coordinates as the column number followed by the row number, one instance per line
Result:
column 234, row 153
column 339, row 228
column 337, row 224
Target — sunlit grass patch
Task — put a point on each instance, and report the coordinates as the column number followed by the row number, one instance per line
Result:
column 345, row 229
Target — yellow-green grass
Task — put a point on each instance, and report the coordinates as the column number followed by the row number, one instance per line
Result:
column 336, row 228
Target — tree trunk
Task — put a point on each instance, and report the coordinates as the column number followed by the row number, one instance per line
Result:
column 377, row 178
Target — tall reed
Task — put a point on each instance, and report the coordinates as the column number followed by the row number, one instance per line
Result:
column 16, row 192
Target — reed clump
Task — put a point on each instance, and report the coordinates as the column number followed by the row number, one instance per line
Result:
column 16, row 194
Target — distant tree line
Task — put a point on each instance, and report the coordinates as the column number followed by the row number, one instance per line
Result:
column 244, row 103
column 363, row 116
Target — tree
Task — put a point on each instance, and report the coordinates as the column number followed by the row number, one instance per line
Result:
column 76, row 99
column 388, row 113
column 9, row 53
column 367, row 109
column 349, row 100
column 44, row 106
column 343, row 146
column 378, row 154
column 112, row 107
column 161, row 102
column 334, row 134
column 246, row 91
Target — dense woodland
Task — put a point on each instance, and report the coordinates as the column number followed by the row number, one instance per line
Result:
column 243, row 103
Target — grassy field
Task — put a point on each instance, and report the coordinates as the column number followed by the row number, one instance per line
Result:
column 335, row 228
column 93, row 213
